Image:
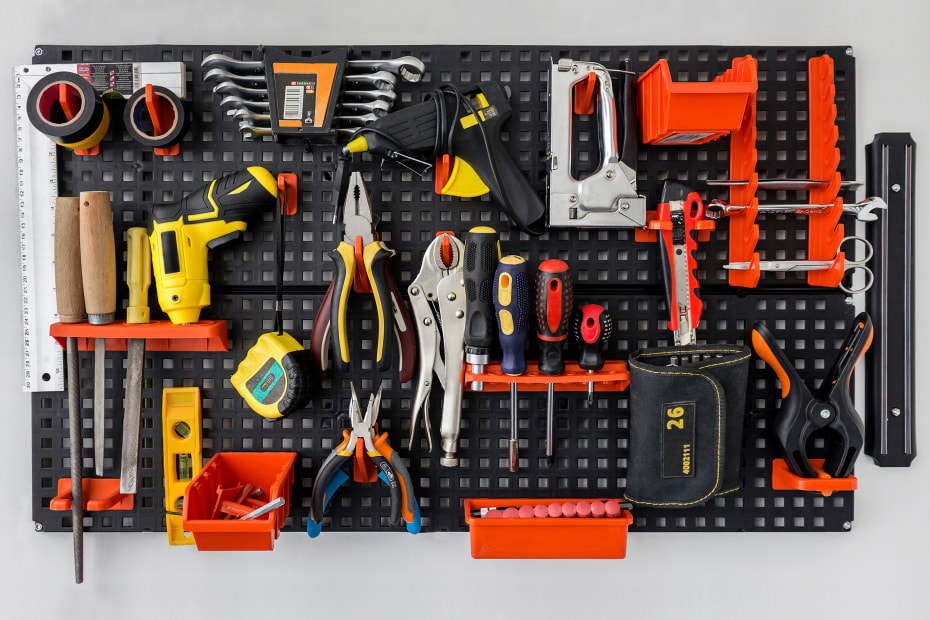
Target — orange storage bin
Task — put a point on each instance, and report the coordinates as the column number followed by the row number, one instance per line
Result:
column 273, row 472
column 559, row 538
column 692, row 112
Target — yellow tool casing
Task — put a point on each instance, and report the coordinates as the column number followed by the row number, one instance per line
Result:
column 183, row 449
column 181, row 233
column 276, row 376
column 138, row 275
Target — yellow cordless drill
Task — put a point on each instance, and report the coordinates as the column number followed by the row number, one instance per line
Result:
column 182, row 232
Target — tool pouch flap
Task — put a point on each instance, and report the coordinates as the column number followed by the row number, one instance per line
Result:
column 687, row 406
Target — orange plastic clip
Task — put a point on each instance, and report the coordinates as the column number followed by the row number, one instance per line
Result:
column 162, row 118
column 70, row 103
column 98, row 494
column 287, row 192
column 783, row 479
column 584, row 95
column 444, row 165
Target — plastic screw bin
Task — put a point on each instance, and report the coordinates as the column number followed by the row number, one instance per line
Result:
column 273, row 472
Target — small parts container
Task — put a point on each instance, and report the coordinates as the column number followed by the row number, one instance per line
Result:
column 548, row 538
column 692, row 112
column 273, row 472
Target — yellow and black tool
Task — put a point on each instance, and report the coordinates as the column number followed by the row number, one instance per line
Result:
column 182, row 232
column 182, row 438
column 276, row 377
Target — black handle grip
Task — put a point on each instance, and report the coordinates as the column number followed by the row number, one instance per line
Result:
column 593, row 326
column 482, row 253
column 554, row 305
column 376, row 264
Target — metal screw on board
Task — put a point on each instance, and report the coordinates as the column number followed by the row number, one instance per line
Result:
column 847, row 526
column 896, row 412
column 849, row 301
column 896, row 188
column 38, row 526
column 824, row 413
column 39, row 51
column 849, row 51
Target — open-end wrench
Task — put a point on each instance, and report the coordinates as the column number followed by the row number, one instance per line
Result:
column 231, row 64
column 222, row 75
column 251, row 131
column 378, row 106
column 378, row 79
column 357, row 120
column 257, row 118
column 369, row 95
column 410, row 68
column 238, row 102
column 238, row 90
column 862, row 210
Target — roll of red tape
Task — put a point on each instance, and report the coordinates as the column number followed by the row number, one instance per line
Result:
column 162, row 129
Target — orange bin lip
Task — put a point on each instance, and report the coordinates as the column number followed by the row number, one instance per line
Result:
column 158, row 335
column 548, row 538
column 783, row 479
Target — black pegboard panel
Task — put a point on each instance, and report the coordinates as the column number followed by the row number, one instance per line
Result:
column 609, row 267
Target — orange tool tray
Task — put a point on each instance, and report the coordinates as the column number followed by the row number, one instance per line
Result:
column 273, row 472
column 158, row 335
column 613, row 377
column 559, row 538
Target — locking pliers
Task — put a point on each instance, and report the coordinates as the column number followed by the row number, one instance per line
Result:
column 437, row 297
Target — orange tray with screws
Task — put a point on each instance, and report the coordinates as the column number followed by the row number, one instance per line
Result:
column 613, row 377
column 547, row 538
column 273, row 472
column 158, row 335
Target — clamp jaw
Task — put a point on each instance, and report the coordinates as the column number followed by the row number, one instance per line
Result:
column 831, row 406
column 607, row 197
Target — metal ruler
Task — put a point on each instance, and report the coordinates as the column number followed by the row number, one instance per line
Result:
column 37, row 189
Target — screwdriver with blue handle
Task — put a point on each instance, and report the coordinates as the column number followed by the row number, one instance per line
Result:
column 512, row 309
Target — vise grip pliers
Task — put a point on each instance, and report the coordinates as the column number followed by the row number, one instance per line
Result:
column 437, row 297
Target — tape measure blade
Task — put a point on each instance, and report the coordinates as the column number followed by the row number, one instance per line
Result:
column 37, row 188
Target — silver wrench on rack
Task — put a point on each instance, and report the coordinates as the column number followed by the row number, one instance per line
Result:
column 437, row 297
column 864, row 210
column 410, row 68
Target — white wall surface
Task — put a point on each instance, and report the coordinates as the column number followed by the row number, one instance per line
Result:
column 879, row 570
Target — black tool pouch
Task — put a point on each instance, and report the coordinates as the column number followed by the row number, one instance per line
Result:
column 687, row 406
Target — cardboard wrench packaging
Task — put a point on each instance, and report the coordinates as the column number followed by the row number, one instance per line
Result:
column 687, row 408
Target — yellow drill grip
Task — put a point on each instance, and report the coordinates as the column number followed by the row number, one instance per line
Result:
column 138, row 274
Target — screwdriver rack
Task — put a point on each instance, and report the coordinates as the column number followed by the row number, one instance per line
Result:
column 609, row 267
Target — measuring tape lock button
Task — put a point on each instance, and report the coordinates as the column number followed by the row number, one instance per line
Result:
column 66, row 108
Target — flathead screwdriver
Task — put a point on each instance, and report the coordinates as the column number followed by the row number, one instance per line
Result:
column 512, row 309
column 482, row 253
column 592, row 328
column 554, row 305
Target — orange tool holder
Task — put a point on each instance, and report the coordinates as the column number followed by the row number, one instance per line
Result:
column 825, row 233
column 158, row 335
column 98, row 494
column 273, row 472
column 560, row 538
column 693, row 112
column 613, row 377
column 783, row 479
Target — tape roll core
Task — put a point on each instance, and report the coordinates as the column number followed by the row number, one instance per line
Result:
column 89, row 120
column 138, row 122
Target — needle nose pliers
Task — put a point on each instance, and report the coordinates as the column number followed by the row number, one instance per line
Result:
column 830, row 407
column 364, row 436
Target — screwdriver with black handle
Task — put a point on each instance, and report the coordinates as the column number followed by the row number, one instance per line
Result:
column 554, row 305
column 592, row 328
column 482, row 253
column 512, row 309
column 69, row 293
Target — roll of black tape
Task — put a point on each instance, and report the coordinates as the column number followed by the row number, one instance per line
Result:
column 171, row 126
column 65, row 107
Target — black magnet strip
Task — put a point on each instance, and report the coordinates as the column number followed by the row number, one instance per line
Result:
column 136, row 112
column 88, row 126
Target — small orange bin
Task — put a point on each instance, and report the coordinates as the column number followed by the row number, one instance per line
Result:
column 561, row 538
column 692, row 112
column 273, row 472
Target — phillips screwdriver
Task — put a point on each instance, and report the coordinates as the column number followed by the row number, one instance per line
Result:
column 554, row 304
column 69, row 293
column 592, row 328
column 482, row 253
column 512, row 308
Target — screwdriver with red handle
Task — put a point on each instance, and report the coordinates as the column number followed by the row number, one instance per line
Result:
column 554, row 305
column 592, row 327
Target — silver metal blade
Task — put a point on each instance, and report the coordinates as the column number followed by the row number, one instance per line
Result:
column 132, row 416
column 74, row 438
column 100, row 358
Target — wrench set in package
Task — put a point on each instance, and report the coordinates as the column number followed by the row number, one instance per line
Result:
column 623, row 281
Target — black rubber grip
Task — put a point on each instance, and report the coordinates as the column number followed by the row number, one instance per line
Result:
column 341, row 280
column 378, row 276
column 482, row 252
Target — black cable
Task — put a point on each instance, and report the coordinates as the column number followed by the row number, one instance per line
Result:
column 279, row 264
